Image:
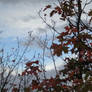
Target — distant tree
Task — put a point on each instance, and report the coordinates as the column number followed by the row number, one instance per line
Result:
column 10, row 63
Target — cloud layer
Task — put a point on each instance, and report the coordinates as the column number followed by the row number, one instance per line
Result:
column 21, row 1
column 18, row 18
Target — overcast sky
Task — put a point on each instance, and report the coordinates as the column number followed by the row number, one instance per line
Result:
column 18, row 17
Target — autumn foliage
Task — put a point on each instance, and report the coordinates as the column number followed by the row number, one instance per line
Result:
column 76, row 39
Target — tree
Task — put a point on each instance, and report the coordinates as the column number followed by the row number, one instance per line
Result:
column 77, row 40
column 10, row 63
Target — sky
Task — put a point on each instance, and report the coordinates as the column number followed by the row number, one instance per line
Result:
column 17, row 19
column 19, row 16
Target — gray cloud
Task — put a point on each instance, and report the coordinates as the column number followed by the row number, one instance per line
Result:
column 20, row 15
column 42, row 30
column 1, row 31
column 28, row 18
column 14, row 1
column 23, row 1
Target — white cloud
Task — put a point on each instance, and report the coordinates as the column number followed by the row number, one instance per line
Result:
column 59, row 64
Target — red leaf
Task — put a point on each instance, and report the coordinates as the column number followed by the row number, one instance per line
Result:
column 67, row 28
column 29, row 64
column 71, row 74
column 36, row 62
column 91, row 44
column 77, row 81
column 74, row 30
column 58, row 9
column 15, row 90
column 48, row 6
column 23, row 73
column 64, row 86
column 34, row 87
column 52, row 13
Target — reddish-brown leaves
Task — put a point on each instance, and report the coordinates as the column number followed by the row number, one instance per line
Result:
column 31, row 69
column 74, row 29
column 28, row 64
column 15, row 90
column 34, row 84
column 53, row 12
column 67, row 28
column 90, row 13
column 64, row 86
column 57, row 49
column 77, row 81
column 23, row 73
column 71, row 74
column 73, row 40
column 48, row 6
column 91, row 44
column 58, row 9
